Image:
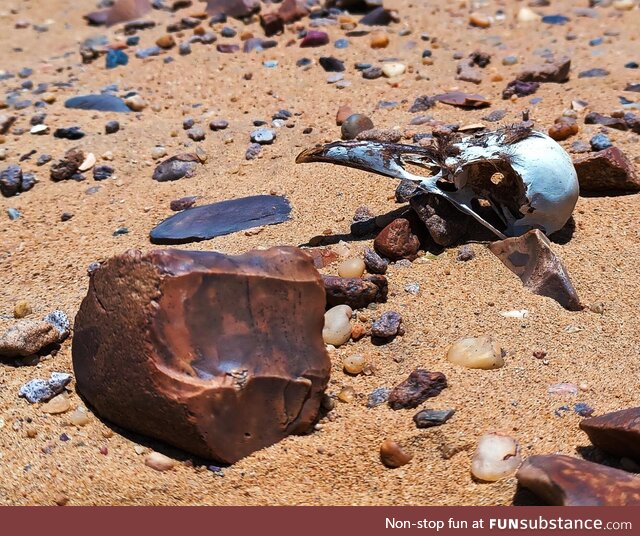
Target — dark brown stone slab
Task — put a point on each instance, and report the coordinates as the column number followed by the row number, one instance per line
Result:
column 356, row 292
column 531, row 258
column 606, row 170
column 566, row 481
column 617, row 433
column 218, row 355
column 554, row 71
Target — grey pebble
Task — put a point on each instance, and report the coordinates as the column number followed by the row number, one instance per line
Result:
column 42, row 390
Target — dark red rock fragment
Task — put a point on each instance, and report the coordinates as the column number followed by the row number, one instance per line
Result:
column 322, row 257
column 531, row 258
column 420, row 385
column 446, row 224
column 233, row 8
column 314, row 38
column 463, row 100
column 554, row 71
column 520, row 89
column 594, row 118
column 214, row 354
column 67, row 167
column 356, row 292
column 396, row 241
column 616, row 433
column 606, row 170
column 121, row 11
column 566, row 481
column 271, row 23
column 292, row 10
column 183, row 203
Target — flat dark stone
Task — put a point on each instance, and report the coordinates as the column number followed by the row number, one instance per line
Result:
column 101, row 103
column 427, row 418
column 217, row 219
column 617, row 433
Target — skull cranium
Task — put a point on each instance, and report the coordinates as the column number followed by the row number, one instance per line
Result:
column 526, row 177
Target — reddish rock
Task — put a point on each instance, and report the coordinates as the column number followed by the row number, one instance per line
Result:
column 343, row 114
column 396, row 241
column 292, row 10
column 214, row 354
column 420, row 385
column 445, row 223
column 314, row 38
column 68, row 166
column 233, row 8
column 606, row 170
column 271, row 23
column 617, row 433
column 594, row 118
column 322, row 257
column 531, row 258
column 393, row 455
column 463, row 100
column 563, row 128
column 554, row 71
column 356, row 292
column 121, row 11
column 565, row 481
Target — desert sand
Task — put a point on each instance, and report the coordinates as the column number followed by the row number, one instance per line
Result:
column 44, row 260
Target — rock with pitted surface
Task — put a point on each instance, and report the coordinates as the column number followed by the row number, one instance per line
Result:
column 356, row 292
column 218, row 355
column 28, row 337
column 565, row 481
column 396, row 241
column 617, row 433
column 606, row 170
column 531, row 258
column 420, row 385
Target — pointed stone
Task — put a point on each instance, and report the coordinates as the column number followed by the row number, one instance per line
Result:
column 531, row 258
column 616, row 433
column 566, row 481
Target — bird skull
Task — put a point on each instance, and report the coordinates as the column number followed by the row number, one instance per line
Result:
column 526, row 177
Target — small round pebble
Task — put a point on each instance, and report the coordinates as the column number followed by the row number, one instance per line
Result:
column 135, row 103
column 351, row 268
column 379, row 40
column 347, row 394
column 600, row 142
column 159, row 462
column 354, row 125
column 353, row 364
column 510, row 60
column 393, row 69
column 196, row 133
column 263, row 136
column 111, row 127
column 393, row 455
column 158, row 152
column 497, row 456
column 479, row 20
column 218, row 124
column 337, row 325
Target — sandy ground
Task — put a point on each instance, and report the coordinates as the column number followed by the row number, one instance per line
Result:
column 44, row 260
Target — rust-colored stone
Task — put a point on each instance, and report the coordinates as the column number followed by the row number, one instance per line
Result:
column 606, row 170
column 121, row 11
column 531, row 258
column 566, row 481
column 214, row 354
column 393, row 455
column 292, row 10
column 396, row 241
column 420, row 385
column 554, row 71
column 356, row 292
column 322, row 257
column 617, row 433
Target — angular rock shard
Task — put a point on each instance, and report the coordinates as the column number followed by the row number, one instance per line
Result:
column 463, row 100
column 606, row 170
column 217, row 355
column 566, row 481
column 420, row 385
column 356, row 292
column 217, row 219
column 531, row 258
column 617, row 433
column 555, row 71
